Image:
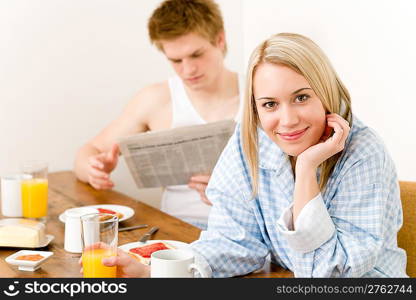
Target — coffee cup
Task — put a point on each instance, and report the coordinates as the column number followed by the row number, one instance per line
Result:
column 174, row 263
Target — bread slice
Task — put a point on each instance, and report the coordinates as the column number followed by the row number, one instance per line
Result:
column 143, row 253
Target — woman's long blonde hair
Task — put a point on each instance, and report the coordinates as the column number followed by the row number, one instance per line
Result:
column 304, row 57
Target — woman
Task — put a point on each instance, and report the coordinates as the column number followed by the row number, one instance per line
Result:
column 302, row 178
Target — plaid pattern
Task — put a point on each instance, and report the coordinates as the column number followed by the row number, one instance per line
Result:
column 196, row 223
column 349, row 230
column 309, row 234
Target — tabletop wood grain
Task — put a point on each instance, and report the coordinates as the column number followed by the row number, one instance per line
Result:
column 65, row 191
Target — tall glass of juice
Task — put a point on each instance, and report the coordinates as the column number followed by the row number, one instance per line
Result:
column 99, row 240
column 35, row 190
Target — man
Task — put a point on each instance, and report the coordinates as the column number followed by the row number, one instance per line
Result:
column 191, row 36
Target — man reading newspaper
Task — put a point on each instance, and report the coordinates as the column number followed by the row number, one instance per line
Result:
column 191, row 36
column 171, row 157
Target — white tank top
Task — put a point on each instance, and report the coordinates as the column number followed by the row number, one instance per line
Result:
column 179, row 200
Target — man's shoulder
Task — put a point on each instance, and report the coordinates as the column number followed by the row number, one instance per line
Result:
column 157, row 92
column 150, row 105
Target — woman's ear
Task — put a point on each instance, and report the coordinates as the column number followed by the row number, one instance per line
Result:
column 328, row 131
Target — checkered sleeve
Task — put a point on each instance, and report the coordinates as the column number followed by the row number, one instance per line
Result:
column 363, row 217
column 232, row 245
column 309, row 234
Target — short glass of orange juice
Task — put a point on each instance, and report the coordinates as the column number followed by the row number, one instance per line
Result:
column 35, row 190
column 99, row 232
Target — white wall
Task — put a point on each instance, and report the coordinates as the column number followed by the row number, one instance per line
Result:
column 372, row 46
column 68, row 67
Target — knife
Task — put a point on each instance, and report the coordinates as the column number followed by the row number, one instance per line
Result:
column 132, row 227
column 148, row 234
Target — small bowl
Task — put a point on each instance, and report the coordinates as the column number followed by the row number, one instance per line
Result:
column 27, row 265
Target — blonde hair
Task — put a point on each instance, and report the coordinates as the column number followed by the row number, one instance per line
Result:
column 174, row 18
column 304, row 57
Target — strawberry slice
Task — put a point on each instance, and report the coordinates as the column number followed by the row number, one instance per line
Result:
column 146, row 251
column 106, row 211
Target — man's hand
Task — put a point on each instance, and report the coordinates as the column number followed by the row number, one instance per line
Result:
column 199, row 183
column 100, row 166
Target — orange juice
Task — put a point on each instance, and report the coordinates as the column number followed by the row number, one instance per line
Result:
column 35, row 198
column 92, row 265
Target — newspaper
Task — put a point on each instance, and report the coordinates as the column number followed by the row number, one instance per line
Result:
column 171, row 157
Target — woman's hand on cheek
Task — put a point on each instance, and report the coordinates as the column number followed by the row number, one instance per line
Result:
column 328, row 146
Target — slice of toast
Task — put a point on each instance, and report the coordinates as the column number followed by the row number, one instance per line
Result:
column 143, row 253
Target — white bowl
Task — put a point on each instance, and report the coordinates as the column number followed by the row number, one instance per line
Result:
column 26, row 265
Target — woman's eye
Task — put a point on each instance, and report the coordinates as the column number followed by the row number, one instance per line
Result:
column 302, row 98
column 269, row 105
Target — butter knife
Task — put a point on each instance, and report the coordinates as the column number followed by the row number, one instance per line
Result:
column 148, row 234
column 132, row 227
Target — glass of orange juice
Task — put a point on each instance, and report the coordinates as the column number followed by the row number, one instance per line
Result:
column 99, row 233
column 35, row 190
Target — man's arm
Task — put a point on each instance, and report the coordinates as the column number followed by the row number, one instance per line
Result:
column 98, row 157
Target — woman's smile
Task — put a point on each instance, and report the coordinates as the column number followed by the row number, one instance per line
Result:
column 292, row 136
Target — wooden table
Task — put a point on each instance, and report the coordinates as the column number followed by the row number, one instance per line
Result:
column 65, row 191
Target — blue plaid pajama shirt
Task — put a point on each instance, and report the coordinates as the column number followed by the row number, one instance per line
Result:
column 349, row 230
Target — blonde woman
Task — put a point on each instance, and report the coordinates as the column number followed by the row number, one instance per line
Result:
column 301, row 179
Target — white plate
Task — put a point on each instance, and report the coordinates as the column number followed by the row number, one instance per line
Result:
column 26, row 265
column 176, row 244
column 48, row 239
column 125, row 210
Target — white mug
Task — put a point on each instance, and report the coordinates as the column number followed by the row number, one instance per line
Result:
column 174, row 263
column 11, row 195
column 73, row 216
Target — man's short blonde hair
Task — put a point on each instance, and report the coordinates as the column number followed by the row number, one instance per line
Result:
column 174, row 18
